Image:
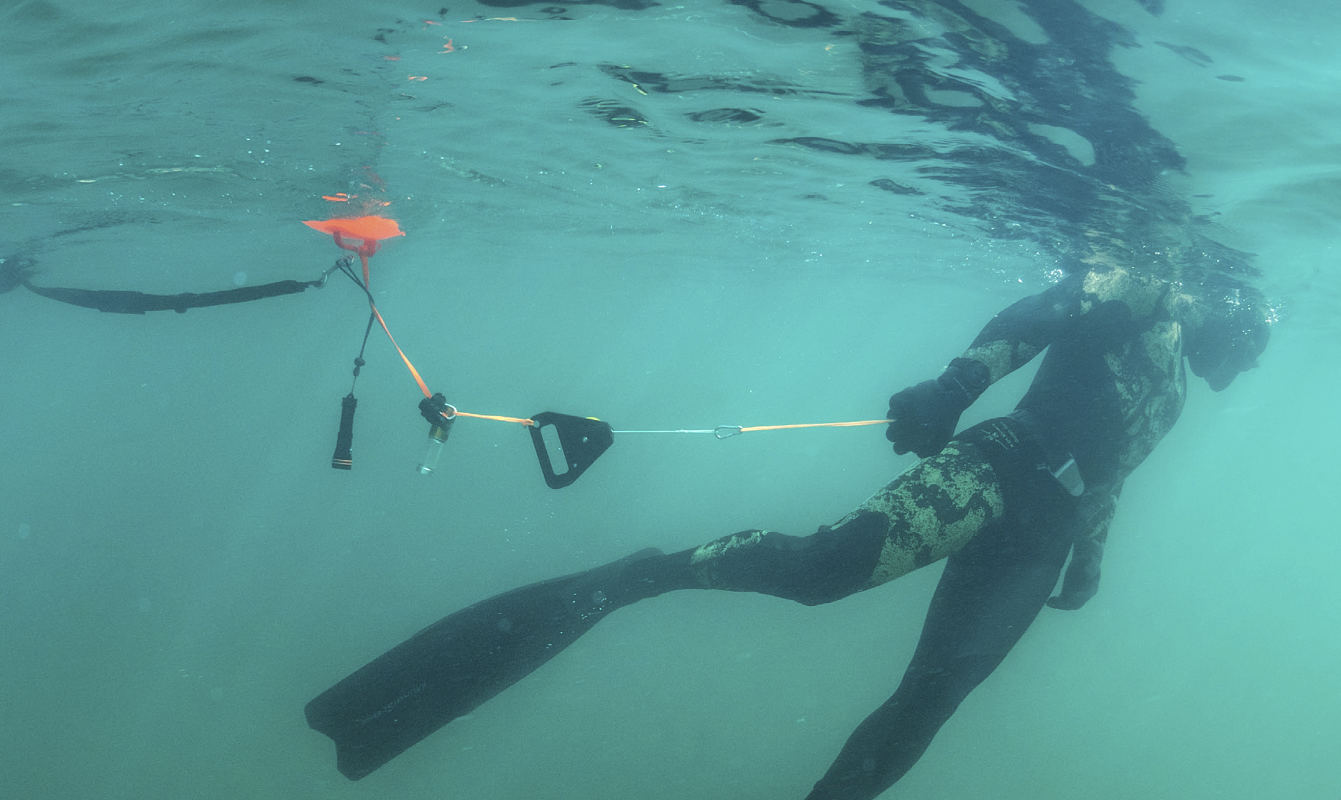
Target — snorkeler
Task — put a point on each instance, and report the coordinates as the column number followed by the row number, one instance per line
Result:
column 1004, row 502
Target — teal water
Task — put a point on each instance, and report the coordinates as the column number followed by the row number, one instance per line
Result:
column 180, row 570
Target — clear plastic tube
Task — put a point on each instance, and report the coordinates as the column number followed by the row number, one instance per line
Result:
column 437, row 437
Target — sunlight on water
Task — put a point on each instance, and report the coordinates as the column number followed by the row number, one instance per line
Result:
column 666, row 217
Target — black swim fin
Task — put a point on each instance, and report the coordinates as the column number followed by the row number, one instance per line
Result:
column 462, row 660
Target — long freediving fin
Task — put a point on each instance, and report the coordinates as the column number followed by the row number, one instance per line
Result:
column 460, row 661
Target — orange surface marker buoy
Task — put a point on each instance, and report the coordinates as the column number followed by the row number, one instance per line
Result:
column 369, row 232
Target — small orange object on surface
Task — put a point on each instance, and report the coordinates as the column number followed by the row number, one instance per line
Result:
column 369, row 231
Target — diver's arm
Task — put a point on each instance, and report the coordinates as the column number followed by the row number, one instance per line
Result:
column 923, row 417
column 1013, row 337
column 1087, row 552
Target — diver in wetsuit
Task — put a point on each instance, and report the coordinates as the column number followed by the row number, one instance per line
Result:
column 1004, row 502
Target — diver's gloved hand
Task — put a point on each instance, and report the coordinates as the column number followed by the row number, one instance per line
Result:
column 922, row 418
column 1082, row 576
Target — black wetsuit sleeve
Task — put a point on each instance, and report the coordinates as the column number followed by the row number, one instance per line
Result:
column 923, row 417
column 1081, row 581
column 1013, row 337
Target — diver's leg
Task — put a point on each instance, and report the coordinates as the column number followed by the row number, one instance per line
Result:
column 990, row 592
column 925, row 514
column 467, row 657
column 462, row 660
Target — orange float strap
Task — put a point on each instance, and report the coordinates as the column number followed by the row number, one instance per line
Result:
column 566, row 445
column 368, row 231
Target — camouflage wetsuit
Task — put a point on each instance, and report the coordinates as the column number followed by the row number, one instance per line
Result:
column 1003, row 502
column 1000, row 501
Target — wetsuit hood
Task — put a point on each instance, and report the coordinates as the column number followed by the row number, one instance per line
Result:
column 1227, row 339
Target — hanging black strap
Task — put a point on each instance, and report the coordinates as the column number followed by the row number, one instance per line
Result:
column 123, row 302
column 343, row 457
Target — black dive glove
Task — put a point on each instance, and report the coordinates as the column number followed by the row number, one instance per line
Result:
column 922, row 418
column 1082, row 576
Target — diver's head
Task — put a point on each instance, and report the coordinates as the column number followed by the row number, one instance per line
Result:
column 1226, row 335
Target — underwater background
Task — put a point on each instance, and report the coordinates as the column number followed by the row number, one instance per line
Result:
column 667, row 216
